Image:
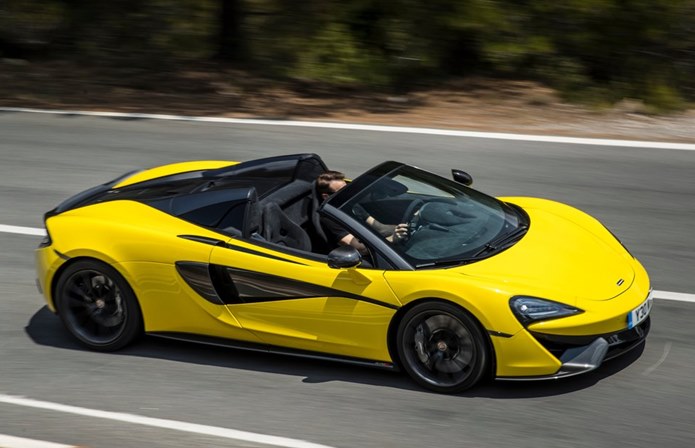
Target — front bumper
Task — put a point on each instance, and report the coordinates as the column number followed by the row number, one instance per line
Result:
column 586, row 353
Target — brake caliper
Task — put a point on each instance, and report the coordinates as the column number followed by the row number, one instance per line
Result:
column 420, row 345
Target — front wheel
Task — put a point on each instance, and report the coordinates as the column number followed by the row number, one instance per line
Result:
column 97, row 306
column 441, row 347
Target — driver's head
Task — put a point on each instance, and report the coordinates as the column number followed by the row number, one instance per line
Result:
column 330, row 182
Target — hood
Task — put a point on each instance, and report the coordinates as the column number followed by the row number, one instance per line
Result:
column 566, row 255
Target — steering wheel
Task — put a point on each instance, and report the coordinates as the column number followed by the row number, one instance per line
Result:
column 410, row 217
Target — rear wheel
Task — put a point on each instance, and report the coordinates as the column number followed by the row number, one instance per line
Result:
column 98, row 306
column 441, row 347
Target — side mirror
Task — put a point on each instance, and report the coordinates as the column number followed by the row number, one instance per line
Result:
column 462, row 177
column 344, row 257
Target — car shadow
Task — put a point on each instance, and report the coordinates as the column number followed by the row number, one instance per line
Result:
column 45, row 328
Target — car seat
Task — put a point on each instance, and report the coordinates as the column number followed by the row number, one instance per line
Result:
column 278, row 228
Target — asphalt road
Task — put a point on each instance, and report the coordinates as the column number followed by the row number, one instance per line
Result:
column 646, row 196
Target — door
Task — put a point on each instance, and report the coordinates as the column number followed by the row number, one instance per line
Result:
column 297, row 301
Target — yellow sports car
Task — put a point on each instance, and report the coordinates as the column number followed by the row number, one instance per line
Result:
column 239, row 254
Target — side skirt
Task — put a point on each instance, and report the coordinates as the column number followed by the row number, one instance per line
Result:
column 263, row 348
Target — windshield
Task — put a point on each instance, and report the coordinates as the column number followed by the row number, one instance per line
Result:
column 448, row 223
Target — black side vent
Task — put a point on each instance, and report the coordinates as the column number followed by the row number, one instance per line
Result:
column 197, row 275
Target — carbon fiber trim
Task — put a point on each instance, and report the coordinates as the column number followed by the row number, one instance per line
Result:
column 202, row 239
column 255, row 347
column 223, row 285
column 619, row 342
column 499, row 334
column 220, row 243
column 254, row 287
column 259, row 253
column 61, row 255
column 197, row 276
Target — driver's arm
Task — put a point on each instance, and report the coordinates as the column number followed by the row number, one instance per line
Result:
column 383, row 229
column 392, row 233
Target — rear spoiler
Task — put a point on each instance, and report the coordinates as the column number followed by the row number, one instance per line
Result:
column 85, row 196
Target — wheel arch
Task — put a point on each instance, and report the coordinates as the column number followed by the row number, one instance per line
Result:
column 59, row 273
column 398, row 317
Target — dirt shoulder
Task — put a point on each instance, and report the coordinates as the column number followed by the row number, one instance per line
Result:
column 475, row 105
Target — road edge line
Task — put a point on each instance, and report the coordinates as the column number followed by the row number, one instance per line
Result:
column 176, row 425
column 8, row 441
column 369, row 127
column 675, row 296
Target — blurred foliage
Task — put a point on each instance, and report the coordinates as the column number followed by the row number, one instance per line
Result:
column 595, row 50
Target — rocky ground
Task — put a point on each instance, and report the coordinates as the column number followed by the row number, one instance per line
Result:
column 477, row 105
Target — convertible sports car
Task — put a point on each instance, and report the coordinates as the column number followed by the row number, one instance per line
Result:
column 236, row 254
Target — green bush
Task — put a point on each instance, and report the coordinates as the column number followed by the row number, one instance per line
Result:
column 334, row 56
column 602, row 49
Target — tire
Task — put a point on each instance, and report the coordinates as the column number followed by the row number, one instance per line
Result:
column 97, row 306
column 442, row 347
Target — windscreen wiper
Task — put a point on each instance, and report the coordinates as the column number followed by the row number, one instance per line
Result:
column 502, row 242
column 442, row 263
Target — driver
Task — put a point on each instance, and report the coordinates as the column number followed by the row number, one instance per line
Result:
column 332, row 181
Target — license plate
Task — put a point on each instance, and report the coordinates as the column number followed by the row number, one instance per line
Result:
column 640, row 313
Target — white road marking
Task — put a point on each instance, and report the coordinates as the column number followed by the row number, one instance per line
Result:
column 666, row 295
column 19, row 442
column 22, row 230
column 677, row 296
column 368, row 127
column 162, row 423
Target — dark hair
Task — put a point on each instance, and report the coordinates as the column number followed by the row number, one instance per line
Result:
column 323, row 182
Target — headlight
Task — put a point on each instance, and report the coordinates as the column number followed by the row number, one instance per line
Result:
column 533, row 309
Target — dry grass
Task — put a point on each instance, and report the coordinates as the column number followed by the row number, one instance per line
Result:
column 474, row 104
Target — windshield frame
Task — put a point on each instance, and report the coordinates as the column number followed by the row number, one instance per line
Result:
column 514, row 220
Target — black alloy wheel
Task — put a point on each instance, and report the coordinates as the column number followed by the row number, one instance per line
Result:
column 98, row 306
column 442, row 348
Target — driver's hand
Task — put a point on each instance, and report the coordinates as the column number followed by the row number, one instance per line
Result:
column 400, row 233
